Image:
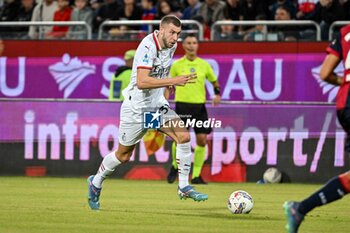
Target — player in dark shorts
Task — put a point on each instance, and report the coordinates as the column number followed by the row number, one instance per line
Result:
column 190, row 102
column 337, row 186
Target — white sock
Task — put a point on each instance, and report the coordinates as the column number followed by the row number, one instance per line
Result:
column 183, row 159
column 108, row 165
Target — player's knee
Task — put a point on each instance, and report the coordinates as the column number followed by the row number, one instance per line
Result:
column 202, row 141
column 345, row 180
column 183, row 138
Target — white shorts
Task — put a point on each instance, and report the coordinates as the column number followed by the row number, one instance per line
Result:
column 133, row 125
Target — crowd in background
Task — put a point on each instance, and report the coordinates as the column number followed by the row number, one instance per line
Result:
column 206, row 12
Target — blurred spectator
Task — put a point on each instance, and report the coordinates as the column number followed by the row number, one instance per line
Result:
column 149, row 12
column 211, row 11
column 285, row 32
column 282, row 13
column 306, row 9
column 95, row 7
column 189, row 13
column 107, row 11
column 227, row 33
column 81, row 12
column 129, row 11
column 96, row 4
column 288, row 4
column 252, row 8
column 179, row 5
column 42, row 12
column 206, row 30
column 62, row 14
column 24, row 15
column 165, row 7
column 8, row 12
column 232, row 10
column 257, row 33
column 192, row 9
column 327, row 12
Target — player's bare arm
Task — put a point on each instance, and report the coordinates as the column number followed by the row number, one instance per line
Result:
column 168, row 91
column 327, row 71
column 144, row 81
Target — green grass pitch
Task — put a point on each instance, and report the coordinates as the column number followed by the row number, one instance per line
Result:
column 60, row 205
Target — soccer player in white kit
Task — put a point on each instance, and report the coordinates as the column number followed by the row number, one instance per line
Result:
column 150, row 75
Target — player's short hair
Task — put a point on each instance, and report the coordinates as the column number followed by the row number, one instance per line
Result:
column 189, row 35
column 168, row 19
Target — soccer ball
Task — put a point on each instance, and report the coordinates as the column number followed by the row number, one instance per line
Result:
column 240, row 202
column 272, row 175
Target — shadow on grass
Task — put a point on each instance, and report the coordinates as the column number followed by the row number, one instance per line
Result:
column 202, row 213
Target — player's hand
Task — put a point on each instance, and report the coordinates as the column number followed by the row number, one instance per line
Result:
column 171, row 89
column 184, row 79
column 216, row 100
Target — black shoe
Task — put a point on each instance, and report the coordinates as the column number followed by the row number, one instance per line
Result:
column 198, row 180
column 172, row 175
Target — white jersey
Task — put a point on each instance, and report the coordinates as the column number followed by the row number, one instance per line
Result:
column 149, row 55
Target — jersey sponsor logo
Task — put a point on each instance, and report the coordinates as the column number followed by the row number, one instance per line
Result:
column 69, row 73
column 192, row 70
column 160, row 72
column 328, row 89
column 145, row 58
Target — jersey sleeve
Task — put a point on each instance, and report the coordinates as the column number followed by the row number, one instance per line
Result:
column 210, row 75
column 335, row 47
column 145, row 55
